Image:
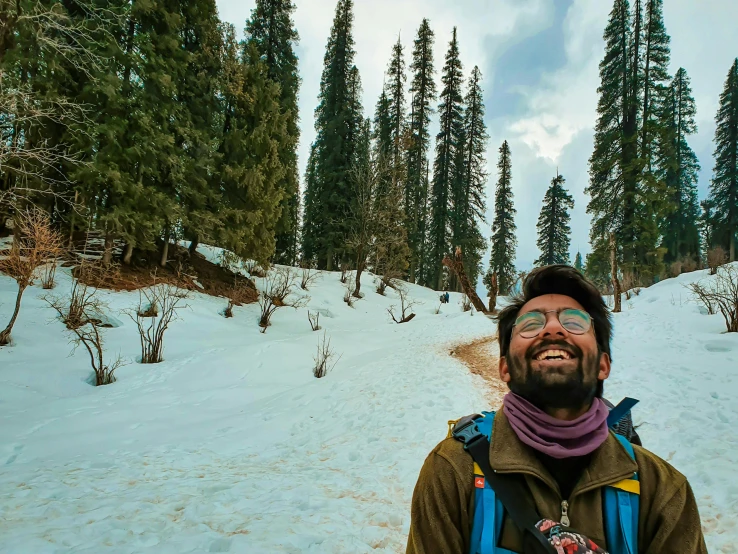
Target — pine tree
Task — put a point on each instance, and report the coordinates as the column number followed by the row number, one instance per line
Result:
column 678, row 167
column 271, row 29
column 504, row 239
column 311, row 230
column 423, row 91
column 396, row 95
column 578, row 265
column 724, row 186
column 611, row 194
column 554, row 233
column 382, row 134
column 444, row 167
column 250, row 166
column 469, row 184
column 337, row 125
column 706, row 224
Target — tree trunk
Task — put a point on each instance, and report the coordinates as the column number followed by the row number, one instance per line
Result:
column 5, row 335
column 614, row 274
column 193, row 245
column 732, row 246
column 164, row 251
column 128, row 253
column 494, row 289
column 357, row 288
column 108, row 253
column 457, row 267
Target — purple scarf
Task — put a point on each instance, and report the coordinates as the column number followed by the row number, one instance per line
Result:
column 556, row 437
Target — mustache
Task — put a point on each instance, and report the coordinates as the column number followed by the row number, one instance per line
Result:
column 554, row 344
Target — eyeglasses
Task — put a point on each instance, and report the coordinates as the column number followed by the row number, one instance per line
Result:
column 530, row 324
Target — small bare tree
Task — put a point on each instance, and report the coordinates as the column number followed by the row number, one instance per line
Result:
column 702, row 295
column 279, row 285
column 406, row 307
column 349, row 289
column 465, row 303
column 716, row 257
column 314, row 320
column 238, row 295
column 309, row 277
column 324, row 357
column 723, row 293
column 34, row 241
column 163, row 300
column 87, row 328
column 48, row 275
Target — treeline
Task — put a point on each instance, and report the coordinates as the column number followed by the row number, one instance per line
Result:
column 149, row 122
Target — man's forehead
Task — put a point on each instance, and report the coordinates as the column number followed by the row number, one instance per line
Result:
column 550, row 302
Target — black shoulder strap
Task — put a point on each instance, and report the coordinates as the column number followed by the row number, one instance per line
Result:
column 509, row 489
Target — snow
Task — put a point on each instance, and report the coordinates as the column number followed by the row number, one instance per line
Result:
column 231, row 444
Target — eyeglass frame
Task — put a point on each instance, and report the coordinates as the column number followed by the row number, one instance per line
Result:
column 558, row 313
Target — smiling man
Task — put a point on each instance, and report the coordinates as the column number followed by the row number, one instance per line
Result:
column 546, row 473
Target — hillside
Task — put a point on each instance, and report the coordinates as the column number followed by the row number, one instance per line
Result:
column 232, row 445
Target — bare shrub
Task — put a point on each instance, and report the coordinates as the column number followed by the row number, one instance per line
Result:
column 48, row 275
column 675, row 270
column 345, row 268
column 465, row 303
column 722, row 292
column 702, row 295
column 348, row 294
column 34, row 241
column 324, row 357
column 689, row 265
column 309, row 276
column 167, row 299
column 87, row 327
column 279, row 285
column 716, row 257
column 406, row 307
column 239, row 294
column 314, row 320
column 255, row 269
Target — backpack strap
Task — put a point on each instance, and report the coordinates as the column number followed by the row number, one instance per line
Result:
column 621, row 510
column 618, row 412
column 494, row 494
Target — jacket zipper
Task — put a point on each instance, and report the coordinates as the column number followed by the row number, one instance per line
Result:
column 565, row 513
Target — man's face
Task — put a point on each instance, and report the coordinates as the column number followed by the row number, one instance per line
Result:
column 568, row 382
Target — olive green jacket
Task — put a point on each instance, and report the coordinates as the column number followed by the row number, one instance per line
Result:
column 443, row 500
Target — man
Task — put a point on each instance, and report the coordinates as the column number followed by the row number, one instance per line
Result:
column 552, row 434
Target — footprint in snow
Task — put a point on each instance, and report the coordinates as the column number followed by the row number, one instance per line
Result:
column 14, row 456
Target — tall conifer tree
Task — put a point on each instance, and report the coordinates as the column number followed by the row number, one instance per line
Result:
column 554, row 233
column 271, row 29
column 423, row 93
column 504, row 238
column 448, row 141
column 724, row 186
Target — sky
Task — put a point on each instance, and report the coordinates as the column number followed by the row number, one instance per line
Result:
column 539, row 60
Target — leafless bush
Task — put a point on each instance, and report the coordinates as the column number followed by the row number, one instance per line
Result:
column 279, row 284
column 348, row 294
column 675, row 270
column 48, row 275
column 34, row 241
column 344, row 272
column 465, row 303
column 314, row 320
column 324, row 357
column 255, row 269
column 721, row 293
column 689, row 265
column 716, row 257
column 238, row 295
column 167, row 299
column 308, row 279
column 389, row 279
column 406, row 307
column 87, row 328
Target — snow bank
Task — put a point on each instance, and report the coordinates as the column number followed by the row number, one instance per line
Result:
column 231, row 445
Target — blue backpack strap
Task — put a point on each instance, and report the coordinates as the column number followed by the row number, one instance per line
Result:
column 487, row 508
column 621, row 511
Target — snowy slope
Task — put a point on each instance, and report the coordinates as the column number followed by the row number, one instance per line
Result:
column 231, row 445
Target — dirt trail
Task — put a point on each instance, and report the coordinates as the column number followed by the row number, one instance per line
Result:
column 481, row 356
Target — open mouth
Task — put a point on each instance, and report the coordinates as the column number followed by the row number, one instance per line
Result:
column 553, row 354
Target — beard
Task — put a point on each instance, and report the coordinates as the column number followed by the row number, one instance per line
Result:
column 555, row 389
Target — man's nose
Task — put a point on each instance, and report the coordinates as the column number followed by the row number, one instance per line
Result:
column 553, row 326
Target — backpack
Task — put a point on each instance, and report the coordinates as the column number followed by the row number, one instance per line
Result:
column 620, row 500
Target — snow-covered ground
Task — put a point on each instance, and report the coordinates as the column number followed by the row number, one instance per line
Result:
column 231, row 444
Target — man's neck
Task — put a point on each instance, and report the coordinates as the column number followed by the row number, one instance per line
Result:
column 567, row 414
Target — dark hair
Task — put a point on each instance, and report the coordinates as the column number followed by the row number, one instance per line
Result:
column 557, row 279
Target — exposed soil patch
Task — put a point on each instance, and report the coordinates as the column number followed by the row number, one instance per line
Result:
column 481, row 356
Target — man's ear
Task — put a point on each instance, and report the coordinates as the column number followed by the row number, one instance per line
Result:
column 604, row 367
column 504, row 370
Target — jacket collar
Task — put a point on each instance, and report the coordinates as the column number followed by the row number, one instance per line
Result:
column 610, row 462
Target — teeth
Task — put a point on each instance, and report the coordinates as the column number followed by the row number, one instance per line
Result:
column 553, row 354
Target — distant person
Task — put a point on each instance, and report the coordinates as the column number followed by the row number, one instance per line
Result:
column 549, row 470
column 446, row 297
